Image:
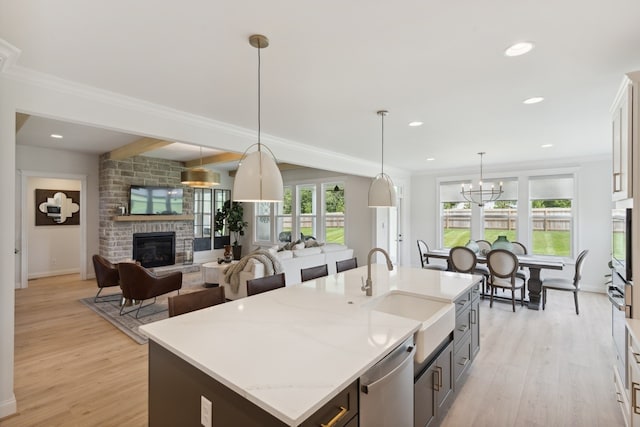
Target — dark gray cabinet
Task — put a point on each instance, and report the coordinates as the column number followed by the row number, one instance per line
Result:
column 433, row 389
column 466, row 335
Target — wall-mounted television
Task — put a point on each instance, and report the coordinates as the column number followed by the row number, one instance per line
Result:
column 155, row 200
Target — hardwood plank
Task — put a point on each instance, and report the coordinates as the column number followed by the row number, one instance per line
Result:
column 535, row 368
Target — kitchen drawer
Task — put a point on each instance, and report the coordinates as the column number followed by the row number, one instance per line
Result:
column 476, row 291
column 345, row 403
column 461, row 359
column 463, row 324
column 463, row 301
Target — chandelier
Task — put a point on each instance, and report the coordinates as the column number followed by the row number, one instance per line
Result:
column 481, row 195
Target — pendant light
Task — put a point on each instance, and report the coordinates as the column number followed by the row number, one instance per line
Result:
column 258, row 178
column 481, row 196
column 199, row 177
column 382, row 192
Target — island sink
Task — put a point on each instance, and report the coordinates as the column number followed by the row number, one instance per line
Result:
column 438, row 318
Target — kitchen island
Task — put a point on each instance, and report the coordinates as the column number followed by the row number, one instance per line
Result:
column 284, row 354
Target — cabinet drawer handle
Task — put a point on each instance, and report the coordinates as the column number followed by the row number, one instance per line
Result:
column 618, row 397
column 462, row 302
column 634, row 400
column 463, row 328
column 636, row 356
column 334, row 420
column 474, row 317
column 436, row 380
column 465, row 360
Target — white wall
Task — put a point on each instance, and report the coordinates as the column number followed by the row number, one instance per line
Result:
column 35, row 162
column 53, row 249
column 593, row 205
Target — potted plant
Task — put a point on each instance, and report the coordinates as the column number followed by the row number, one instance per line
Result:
column 232, row 214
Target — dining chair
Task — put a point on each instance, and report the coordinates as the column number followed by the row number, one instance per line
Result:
column 423, row 250
column 266, row 283
column 346, row 264
column 185, row 303
column 570, row 285
column 464, row 260
column 484, row 246
column 314, row 272
column 503, row 265
column 519, row 248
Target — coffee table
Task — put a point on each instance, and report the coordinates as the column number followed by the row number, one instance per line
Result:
column 212, row 272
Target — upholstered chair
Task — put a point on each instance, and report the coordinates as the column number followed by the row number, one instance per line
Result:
column 185, row 303
column 139, row 284
column 464, row 260
column 503, row 266
column 569, row 285
column 265, row 283
column 314, row 272
column 106, row 276
column 346, row 264
column 423, row 252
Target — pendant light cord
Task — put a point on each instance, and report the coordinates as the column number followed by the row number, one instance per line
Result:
column 259, row 146
column 382, row 115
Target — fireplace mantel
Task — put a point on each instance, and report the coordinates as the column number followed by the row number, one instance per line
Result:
column 130, row 218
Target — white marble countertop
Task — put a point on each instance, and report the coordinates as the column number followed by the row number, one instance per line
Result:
column 291, row 350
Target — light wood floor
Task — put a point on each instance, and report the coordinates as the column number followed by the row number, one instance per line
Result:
column 549, row 368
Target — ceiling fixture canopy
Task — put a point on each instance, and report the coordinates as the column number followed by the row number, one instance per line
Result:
column 382, row 192
column 199, row 177
column 258, row 178
column 481, row 196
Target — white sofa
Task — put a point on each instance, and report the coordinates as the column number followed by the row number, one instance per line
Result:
column 292, row 262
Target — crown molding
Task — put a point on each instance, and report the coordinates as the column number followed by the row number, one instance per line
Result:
column 8, row 55
column 32, row 77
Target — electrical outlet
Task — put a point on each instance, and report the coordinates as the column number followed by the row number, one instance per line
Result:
column 205, row 412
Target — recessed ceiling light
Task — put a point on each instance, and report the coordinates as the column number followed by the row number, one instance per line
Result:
column 519, row 49
column 415, row 124
column 533, row 100
column 546, row 145
column 56, row 136
column 430, row 159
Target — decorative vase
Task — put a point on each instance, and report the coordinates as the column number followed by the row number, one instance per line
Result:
column 237, row 252
column 473, row 245
column 228, row 254
column 502, row 243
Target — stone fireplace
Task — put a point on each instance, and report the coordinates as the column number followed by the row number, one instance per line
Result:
column 154, row 249
column 117, row 231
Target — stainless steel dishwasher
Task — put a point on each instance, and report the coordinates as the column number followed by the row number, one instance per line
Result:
column 386, row 390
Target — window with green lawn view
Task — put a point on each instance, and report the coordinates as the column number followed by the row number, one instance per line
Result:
column 551, row 217
column 306, row 210
column 455, row 216
column 284, row 216
column 333, row 213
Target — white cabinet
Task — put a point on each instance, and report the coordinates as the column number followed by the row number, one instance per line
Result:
column 624, row 136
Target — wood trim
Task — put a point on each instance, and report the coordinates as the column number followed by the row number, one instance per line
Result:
column 137, row 147
column 135, row 218
column 216, row 158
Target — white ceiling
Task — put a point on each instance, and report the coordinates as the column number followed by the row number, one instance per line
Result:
column 331, row 65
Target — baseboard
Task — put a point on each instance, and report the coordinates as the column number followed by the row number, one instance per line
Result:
column 53, row 273
column 8, row 407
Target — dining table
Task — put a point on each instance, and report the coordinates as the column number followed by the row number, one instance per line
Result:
column 535, row 264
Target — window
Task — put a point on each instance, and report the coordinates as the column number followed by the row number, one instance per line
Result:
column 263, row 222
column 455, row 215
column 284, row 224
column 501, row 216
column 306, row 210
column 309, row 210
column 333, row 213
column 202, row 219
column 551, row 215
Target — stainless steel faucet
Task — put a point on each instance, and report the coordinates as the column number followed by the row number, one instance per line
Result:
column 368, row 285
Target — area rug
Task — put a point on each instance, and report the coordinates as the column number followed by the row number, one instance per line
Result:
column 127, row 323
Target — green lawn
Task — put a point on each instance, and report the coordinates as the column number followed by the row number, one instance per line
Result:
column 334, row 234
column 544, row 242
